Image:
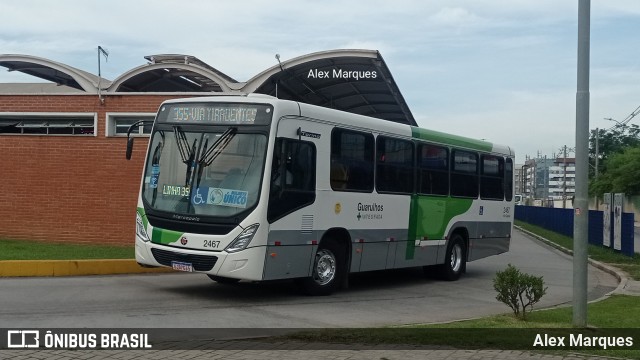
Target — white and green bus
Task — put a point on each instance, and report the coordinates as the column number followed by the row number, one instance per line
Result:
column 251, row 187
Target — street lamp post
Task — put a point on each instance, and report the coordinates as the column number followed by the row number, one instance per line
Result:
column 581, row 212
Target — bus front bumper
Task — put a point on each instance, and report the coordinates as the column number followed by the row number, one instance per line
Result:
column 247, row 264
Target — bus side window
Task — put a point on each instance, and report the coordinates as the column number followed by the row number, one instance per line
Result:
column 338, row 176
column 394, row 171
column 508, row 181
column 433, row 170
column 492, row 177
column 464, row 174
column 352, row 160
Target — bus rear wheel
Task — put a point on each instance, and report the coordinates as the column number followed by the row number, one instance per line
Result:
column 327, row 270
column 455, row 259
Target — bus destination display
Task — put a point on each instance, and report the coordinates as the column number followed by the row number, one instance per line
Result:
column 222, row 114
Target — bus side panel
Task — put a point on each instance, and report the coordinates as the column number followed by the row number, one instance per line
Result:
column 373, row 221
column 377, row 250
column 416, row 253
column 494, row 240
column 284, row 262
column 290, row 248
column 429, row 224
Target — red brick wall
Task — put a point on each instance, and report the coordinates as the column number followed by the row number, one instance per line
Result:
column 71, row 188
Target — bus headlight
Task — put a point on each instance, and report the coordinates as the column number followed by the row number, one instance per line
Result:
column 141, row 232
column 241, row 242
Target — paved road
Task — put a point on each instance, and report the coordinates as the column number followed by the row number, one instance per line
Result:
column 187, row 300
column 193, row 301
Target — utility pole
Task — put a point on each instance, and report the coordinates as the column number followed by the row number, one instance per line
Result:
column 564, row 179
column 597, row 152
column 581, row 203
column 546, row 182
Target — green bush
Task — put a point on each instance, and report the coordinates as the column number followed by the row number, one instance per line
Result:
column 518, row 290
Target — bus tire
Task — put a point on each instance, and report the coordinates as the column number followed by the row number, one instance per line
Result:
column 223, row 280
column 455, row 259
column 327, row 270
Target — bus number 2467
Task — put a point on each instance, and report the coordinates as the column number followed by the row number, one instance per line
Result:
column 211, row 244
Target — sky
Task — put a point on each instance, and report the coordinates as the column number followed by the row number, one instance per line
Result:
column 503, row 71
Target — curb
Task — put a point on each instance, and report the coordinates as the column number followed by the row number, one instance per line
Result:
column 23, row 268
column 618, row 274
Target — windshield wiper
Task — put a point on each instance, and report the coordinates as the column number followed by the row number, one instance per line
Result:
column 208, row 155
column 187, row 155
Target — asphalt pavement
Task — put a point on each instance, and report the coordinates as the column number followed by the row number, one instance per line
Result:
column 257, row 349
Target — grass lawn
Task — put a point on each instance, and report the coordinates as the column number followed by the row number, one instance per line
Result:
column 615, row 316
column 631, row 265
column 611, row 317
column 36, row 250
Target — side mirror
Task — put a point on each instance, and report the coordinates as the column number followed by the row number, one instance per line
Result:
column 130, row 139
column 129, row 147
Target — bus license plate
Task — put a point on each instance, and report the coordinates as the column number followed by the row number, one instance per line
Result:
column 182, row 266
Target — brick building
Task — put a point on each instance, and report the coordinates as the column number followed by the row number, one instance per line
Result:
column 62, row 143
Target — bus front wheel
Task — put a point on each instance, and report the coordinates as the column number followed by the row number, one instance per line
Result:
column 326, row 271
column 455, row 259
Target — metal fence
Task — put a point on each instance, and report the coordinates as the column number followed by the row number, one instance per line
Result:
column 561, row 221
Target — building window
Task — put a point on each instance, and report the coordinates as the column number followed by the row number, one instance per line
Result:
column 47, row 123
column 118, row 123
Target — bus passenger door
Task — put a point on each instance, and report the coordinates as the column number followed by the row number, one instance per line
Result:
column 292, row 189
column 293, row 177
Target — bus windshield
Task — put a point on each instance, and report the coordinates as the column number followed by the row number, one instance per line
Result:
column 215, row 174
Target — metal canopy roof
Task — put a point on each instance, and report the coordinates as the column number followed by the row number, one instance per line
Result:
column 55, row 72
column 171, row 73
column 356, row 81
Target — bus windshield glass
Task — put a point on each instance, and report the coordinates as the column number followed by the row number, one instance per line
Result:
column 215, row 174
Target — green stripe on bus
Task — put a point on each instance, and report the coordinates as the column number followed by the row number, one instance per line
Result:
column 449, row 139
column 163, row 236
column 429, row 217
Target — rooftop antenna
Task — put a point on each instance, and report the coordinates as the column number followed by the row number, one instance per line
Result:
column 281, row 69
column 105, row 53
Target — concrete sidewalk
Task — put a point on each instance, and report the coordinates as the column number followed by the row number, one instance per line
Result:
column 284, row 352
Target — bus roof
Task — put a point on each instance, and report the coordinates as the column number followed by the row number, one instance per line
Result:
column 357, row 121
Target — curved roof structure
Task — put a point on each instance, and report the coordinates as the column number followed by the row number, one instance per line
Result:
column 356, row 81
column 171, row 73
column 56, row 72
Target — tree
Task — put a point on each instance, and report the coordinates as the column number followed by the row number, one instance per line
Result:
column 611, row 141
column 622, row 174
column 616, row 172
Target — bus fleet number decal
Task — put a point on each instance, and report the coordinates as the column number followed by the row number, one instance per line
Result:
column 211, row 244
